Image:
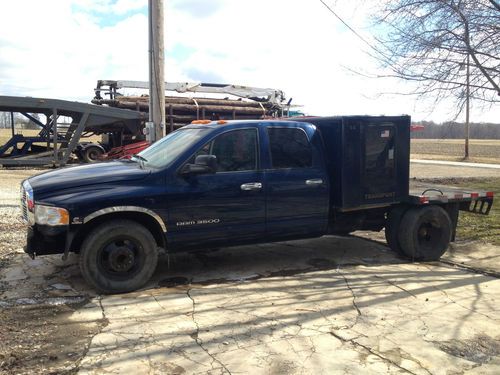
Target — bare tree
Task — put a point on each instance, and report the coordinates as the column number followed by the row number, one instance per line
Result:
column 431, row 43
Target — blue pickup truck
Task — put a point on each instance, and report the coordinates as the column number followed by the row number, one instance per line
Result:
column 227, row 183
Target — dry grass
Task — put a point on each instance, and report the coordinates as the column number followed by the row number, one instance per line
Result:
column 6, row 134
column 485, row 228
column 481, row 150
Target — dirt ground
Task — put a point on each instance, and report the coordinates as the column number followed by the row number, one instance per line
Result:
column 480, row 150
column 327, row 305
column 36, row 335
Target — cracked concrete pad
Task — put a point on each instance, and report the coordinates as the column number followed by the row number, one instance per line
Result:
column 477, row 255
column 382, row 316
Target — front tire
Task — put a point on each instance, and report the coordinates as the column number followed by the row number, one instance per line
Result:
column 425, row 233
column 119, row 256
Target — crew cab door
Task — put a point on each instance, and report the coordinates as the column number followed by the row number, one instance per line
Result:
column 228, row 205
column 297, row 194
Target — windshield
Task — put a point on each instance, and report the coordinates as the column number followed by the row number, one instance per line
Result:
column 167, row 149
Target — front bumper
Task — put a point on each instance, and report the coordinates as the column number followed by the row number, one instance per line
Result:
column 43, row 240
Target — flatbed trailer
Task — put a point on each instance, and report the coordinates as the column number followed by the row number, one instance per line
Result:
column 55, row 142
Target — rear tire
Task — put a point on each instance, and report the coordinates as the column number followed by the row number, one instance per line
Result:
column 119, row 256
column 425, row 233
column 392, row 226
column 91, row 154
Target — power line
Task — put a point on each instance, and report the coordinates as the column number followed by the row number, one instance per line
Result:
column 350, row 28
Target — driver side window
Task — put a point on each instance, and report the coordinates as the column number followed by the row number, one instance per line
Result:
column 235, row 150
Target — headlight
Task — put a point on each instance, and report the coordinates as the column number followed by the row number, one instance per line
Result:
column 45, row 215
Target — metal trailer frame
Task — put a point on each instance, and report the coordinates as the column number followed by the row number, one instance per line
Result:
column 61, row 142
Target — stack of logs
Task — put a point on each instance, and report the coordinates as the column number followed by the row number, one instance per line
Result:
column 181, row 111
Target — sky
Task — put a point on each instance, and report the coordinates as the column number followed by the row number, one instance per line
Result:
column 60, row 48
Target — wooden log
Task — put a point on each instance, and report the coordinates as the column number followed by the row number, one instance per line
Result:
column 200, row 101
column 192, row 108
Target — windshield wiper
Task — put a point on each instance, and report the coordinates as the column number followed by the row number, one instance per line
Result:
column 142, row 159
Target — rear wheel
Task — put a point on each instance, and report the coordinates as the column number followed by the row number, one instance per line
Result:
column 392, row 226
column 425, row 233
column 119, row 256
column 91, row 154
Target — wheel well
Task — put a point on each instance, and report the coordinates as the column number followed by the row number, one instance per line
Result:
column 91, row 145
column 144, row 219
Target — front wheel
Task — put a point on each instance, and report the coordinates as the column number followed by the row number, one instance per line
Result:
column 118, row 256
column 425, row 233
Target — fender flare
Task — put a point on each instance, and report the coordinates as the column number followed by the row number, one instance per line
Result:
column 109, row 210
column 91, row 144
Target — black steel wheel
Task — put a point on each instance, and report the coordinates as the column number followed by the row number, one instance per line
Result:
column 119, row 256
column 425, row 233
column 91, row 154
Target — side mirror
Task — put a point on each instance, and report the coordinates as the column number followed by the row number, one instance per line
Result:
column 203, row 164
column 209, row 161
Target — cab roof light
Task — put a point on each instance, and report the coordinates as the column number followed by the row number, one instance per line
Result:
column 222, row 122
column 201, row 122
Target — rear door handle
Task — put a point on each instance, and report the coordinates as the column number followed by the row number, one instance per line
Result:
column 251, row 186
column 314, row 181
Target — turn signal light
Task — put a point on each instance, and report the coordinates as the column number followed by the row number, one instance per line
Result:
column 423, row 199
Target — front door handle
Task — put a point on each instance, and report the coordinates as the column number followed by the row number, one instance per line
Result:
column 251, row 186
column 314, row 181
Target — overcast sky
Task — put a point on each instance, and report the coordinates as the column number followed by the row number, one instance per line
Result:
column 60, row 48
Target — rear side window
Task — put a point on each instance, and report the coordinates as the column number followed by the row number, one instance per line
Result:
column 290, row 148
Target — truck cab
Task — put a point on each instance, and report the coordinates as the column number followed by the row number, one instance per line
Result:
column 202, row 186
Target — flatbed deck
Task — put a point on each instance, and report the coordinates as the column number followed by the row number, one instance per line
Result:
column 477, row 201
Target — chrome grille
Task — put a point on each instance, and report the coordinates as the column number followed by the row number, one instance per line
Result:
column 24, row 207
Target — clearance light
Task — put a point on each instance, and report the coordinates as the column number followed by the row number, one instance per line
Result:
column 423, row 199
column 474, row 195
column 201, row 122
column 490, row 194
column 222, row 122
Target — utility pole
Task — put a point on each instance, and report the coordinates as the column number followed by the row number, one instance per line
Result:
column 467, row 107
column 156, row 68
